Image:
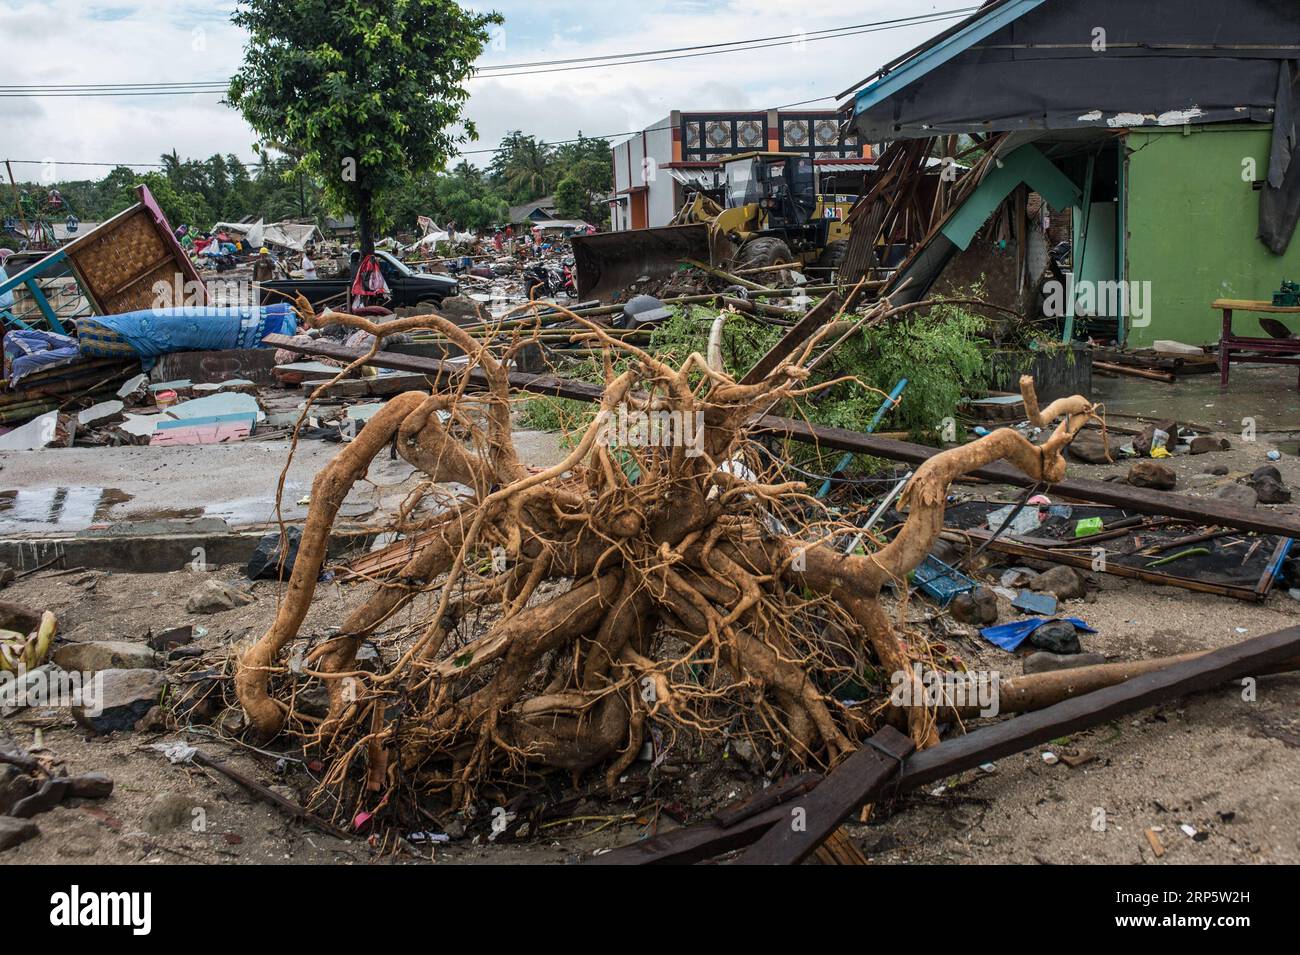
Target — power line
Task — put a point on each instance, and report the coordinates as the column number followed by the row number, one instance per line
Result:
column 584, row 63
column 901, row 21
column 464, row 152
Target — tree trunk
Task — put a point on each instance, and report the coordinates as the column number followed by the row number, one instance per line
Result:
column 363, row 224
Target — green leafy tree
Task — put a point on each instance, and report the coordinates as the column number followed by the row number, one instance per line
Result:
column 523, row 167
column 464, row 198
column 581, row 193
column 360, row 92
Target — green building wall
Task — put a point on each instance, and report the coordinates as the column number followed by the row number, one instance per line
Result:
column 1191, row 219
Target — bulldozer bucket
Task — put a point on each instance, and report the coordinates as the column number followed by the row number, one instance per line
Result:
column 609, row 262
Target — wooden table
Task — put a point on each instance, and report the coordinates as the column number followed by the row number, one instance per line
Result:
column 1266, row 351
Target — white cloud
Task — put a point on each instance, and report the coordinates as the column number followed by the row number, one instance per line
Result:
column 122, row 41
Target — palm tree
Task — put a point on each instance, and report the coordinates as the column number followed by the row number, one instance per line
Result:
column 524, row 166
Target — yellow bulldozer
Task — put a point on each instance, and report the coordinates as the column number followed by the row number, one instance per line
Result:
column 771, row 214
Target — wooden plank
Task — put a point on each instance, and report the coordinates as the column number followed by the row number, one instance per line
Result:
column 764, row 799
column 377, row 387
column 1246, row 305
column 799, row 332
column 1203, row 510
column 693, row 843
column 1018, row 548
column 1248, row 658
column 1252, row 657
column 811, row 819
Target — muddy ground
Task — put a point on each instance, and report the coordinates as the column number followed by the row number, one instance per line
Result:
column 1224, row 765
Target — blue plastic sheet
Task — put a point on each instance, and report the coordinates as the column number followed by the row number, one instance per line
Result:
column 159, row 331
column 1009, row 636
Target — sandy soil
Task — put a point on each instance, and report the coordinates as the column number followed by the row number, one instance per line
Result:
column 1225, row 766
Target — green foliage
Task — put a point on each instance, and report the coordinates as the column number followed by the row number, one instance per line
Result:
column 522, row 167
column 361, row 92
column 581, row 193
column 464, row 198
column 942, row 355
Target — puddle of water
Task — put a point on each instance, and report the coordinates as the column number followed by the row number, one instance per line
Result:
column 58, row 508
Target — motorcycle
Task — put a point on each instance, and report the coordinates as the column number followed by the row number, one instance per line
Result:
column 548, row 281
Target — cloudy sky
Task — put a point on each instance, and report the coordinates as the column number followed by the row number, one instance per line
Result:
column 134, row 41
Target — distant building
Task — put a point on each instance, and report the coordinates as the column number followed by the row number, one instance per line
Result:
column 656, row 168
column 538, row 210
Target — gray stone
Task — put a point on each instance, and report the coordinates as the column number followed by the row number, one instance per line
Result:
column 168, row 811
column 1044, row 662
column 16, row 831
column 1205, row 443
column 1064, row 583
column 1091, row 448
column 216, row 596
column 1058, row 636
column 978, row 607
column 1268, row 491
column 268, row 561
column 1237, row 494
column 44, row 799
column 96, row 655
column 460, row 309
column 90, row 786
column 117, row 699
column 1152, row 474
column 15, row 786
column 1266, row 471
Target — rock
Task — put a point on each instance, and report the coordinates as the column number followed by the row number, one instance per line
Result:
column 90, row 786
column 946, row 551
column 455, row 829
column 1064, row 583
column 1268, row 491
column 154, row 721
column 1017, row 577
column 117, row 699
column 460, row 309
column 1267, row 471
column 169, row 810
column 1220, row 470
column 96, row 655
column 15, row 786
column 1058, row 636
column 171, row 639
column 1204, row 443
column 265, row 562
column 216, row 596
column 1237, row 494
column 1144, row 441
column 14, row 832
column 978, row 607
column 1045, row 662
column 1152, row 474
column 44, row 799
column 1091, row 447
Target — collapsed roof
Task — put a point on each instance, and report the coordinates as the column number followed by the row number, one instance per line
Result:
column 1105, row 65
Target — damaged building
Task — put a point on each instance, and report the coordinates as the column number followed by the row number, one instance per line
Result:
column 1168, row 131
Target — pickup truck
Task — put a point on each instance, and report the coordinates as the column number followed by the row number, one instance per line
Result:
column 407, row 287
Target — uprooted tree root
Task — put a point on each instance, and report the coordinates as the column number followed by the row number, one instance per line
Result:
column 627, row 591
